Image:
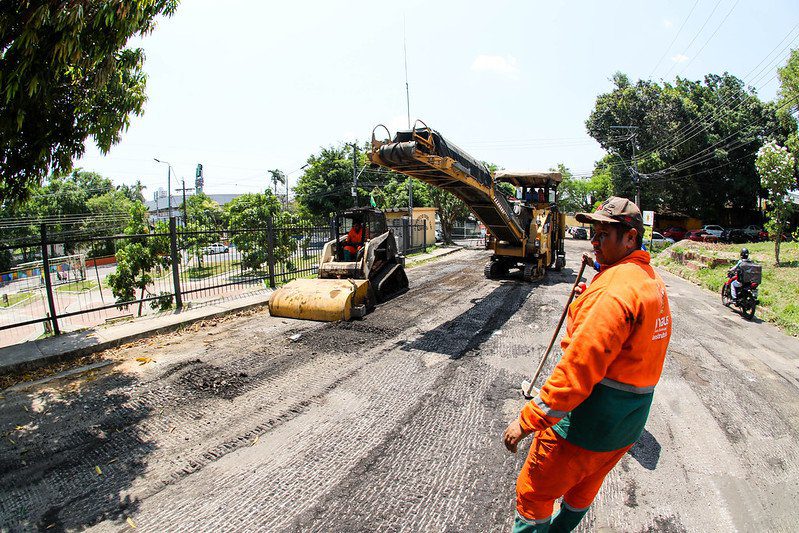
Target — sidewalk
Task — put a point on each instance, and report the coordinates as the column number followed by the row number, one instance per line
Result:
column 41, row 352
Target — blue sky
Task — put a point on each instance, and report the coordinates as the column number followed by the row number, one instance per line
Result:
column 246, row 86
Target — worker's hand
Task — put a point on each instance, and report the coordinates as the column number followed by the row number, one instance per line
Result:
column 580, row 288
column 513, row 435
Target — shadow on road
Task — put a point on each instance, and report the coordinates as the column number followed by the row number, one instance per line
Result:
column 470, row 329
column 646, row 450
column 68, row 456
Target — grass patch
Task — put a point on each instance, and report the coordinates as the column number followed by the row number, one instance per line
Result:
column 77, row 286
column 200, row 272
column 779, row 292
column 430, row 249
column 8, row 300
column 209, row 271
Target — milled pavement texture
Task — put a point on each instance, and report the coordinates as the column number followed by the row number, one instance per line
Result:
column 394, row 422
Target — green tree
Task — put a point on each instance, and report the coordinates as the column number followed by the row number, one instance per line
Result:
column 789, row 99
column 694, row 141
column 133, row 192
column 777, row 174
column 277, row 177
column 67, row 75
column 114, row 202
column 450, row 209
column 250, row 212
column 325, row 186
column 205, row 220
column 204, row 211
column 137, row 257
column 395, row 192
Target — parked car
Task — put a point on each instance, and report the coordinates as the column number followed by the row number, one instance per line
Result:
column 579, row 233
column 659, row 240
column 675, row 232
column 695, row 234
column 734, row 236
column 753, row 231
column 216, row 248
column 713, row 229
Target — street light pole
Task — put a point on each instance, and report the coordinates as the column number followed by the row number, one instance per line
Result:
column 168, row 184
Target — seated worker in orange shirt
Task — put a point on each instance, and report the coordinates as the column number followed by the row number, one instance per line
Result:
column 354, row 241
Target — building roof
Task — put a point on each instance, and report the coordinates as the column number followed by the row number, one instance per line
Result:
column 221, row 199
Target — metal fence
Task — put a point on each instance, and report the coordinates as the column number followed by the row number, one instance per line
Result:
column 411, row 235
column 66, row 284
column 67, row 280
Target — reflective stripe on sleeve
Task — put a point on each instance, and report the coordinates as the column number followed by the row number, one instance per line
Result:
column 548, row 410
column 613, row 384
column 533, row 521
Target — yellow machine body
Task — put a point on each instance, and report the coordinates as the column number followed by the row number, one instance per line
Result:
column 325, row 300
column 347, row 287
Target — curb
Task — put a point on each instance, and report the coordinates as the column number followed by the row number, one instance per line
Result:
column 444, row 252
column 46, row 359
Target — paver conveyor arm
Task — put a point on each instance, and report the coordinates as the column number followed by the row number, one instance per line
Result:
column 424, row 154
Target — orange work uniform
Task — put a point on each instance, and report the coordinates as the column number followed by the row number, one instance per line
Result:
column 595, row 404
column 354, row 240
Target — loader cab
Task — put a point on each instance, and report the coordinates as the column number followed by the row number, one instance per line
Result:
column 536, row 194
column 372, row 221
column 537, row 190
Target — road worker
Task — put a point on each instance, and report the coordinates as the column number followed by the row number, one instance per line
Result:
column 594, row 405
column 354, row 241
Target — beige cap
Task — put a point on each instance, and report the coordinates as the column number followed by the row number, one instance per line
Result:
column 615, row 210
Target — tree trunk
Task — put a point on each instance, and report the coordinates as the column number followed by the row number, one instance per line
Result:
column 141, row 297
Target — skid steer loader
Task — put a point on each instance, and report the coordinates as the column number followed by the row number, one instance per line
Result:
column 347, row 287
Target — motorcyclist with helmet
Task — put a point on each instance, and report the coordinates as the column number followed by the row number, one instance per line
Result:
column 734, row 271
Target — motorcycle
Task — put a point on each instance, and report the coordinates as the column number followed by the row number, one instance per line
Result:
column 747, row 295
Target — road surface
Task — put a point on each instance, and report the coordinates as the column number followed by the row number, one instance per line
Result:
column 394, row 423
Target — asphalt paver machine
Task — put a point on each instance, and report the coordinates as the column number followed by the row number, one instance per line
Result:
column 526, row 232
column 347, row 287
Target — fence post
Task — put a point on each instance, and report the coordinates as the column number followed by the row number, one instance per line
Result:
column 173, row 252
column 424, row 235
column 406, row 233
column 270, row 251
column 47, row 282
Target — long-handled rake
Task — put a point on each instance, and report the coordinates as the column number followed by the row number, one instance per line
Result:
column 527, row 386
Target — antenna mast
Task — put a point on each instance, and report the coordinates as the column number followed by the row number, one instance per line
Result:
column 407, row 92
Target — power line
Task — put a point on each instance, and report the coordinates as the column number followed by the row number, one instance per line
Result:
column 711, row 37
column 693, row 126
column 695, row 36
column 675, row 38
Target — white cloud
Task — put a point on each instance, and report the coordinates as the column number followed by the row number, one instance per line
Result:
column 680, row 58
column 667, row 23
column 506, row 65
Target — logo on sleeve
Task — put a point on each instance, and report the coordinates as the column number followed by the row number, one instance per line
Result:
column 661, row 328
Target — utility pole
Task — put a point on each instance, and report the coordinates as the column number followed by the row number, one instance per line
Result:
column 168, row 183
column 408, row 108
column 635, row 175
column 185, row 213
column 410, row 198
column 355, row 173
column 407, row 90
